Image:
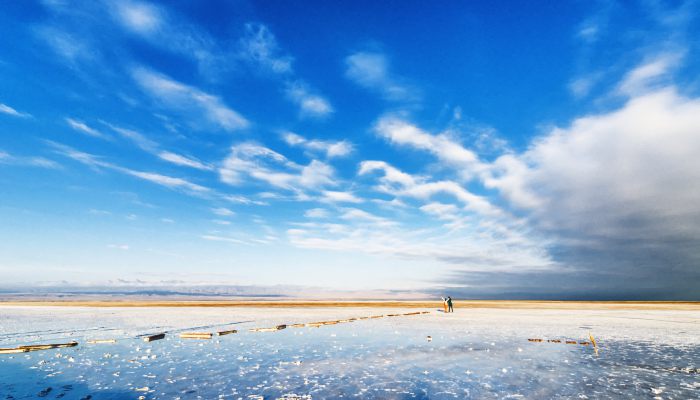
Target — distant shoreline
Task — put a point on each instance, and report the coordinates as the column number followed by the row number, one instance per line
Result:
column 302, row 303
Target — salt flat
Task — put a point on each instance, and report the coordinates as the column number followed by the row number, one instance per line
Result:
column 473, row 353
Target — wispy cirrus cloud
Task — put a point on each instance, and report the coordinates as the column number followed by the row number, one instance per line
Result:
column 653, row 73
column 316, row 213
column 329, row 148
column 189, row 101
column 82, row 127
column 7, row 110
column 400, row 184
column 259, row 47
column 139, row 17
column 67, row 45
column 446, row 148
column 310, row 104
column 335, row 196
column 25, row 161
column 96, row 162
column 252, row 161
column 161, row 27
column 370, row 69
column 184, row 161
column 223, row 212
column 148, row 145
column 164, row 180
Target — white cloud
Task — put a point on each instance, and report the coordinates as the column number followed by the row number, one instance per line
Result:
column 310, row 104
column 5, row 109
column 148, row 145
column 238, row 199
column 317, row 213
column 167, row 181
column 442, row 146
column 356, row 215
column 331, row 196
column 223, row 239
column 95, row 162
column 392, row 175
column 371, row 70
column 589, row 32
column 71, row 48
column 644, row 77
column 581, row 86
column 119, row 246
column 259, row 47
column 93, row 211
column 80, row 126
column 615, row 192
column 137, row 138
column 139, row 17
column 484, row 250
column 441, row 210
column 223, row 212
column 635, row 160
column 186, row 99
column 250, row 160
column 398, row 183
column 165, row 29
column 82, row 157
column 184, row 161
column 329, row 148
column 40, row 162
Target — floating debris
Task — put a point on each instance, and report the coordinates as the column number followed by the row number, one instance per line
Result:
column 12, row 350
column 223, row 333
column 430, row 338
column 275, row 329
column 36, row 347
column 534, row 340
column 101, row 341
column 151, row 338
column 292, row 396
column 195, row 335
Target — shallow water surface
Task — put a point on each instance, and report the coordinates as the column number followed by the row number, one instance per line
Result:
column 387, row 358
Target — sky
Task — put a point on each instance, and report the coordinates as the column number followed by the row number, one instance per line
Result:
column 481, row 149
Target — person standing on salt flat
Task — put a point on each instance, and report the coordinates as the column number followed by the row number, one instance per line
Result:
column 444, row 304
column 449, row 304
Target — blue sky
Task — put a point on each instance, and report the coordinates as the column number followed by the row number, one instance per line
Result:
column 488, row 150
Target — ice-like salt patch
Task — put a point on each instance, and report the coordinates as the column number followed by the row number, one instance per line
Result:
column 476, row 353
